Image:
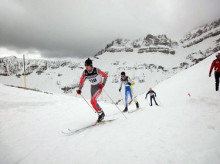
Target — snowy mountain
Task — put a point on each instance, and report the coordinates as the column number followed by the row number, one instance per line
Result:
column 150, row 43
column 147, row 61
column 183, row 129
column 207, row 37
column 199, row 34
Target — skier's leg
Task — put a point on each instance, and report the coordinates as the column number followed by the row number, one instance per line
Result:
column 150, row 100
column 95, row 92
column 155, row 100
column 126, row 100
column 131, row 94
column 217, row 76
column 126, row 97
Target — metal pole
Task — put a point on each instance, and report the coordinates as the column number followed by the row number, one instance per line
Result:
column 24, row 73
column 122, row 98
column 88, row 103
column 159, row 101
column 147, row 101
column 114, row 103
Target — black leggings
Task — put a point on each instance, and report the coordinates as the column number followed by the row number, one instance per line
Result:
column 152, row 97
column 217, row 76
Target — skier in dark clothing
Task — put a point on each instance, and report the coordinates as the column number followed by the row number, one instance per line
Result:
column 94, row 75
column 216, row 66
column 152, row 96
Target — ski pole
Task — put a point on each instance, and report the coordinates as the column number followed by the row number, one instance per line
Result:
column 114, row 103
column 159, row 100
column 148, row 102
column 87, row 103
column 122, row 98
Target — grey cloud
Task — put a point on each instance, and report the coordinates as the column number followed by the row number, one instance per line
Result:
column 60, row 28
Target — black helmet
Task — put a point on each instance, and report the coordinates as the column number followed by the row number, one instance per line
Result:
column 88, row 62
column 123, row 73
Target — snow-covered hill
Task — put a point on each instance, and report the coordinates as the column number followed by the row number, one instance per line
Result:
column 184, row 129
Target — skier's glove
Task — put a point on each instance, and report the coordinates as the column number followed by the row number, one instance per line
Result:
column 129, row 83
column 101, row 86
column 78, row 92
column 119, row 89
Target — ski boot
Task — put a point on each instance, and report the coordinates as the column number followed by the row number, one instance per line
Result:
column 101, row 116
column 125, row 110
column 137, row 105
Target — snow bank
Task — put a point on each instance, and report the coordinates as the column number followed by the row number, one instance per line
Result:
column 184, row 129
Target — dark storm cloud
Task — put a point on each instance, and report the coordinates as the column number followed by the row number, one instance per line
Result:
column 61, row 28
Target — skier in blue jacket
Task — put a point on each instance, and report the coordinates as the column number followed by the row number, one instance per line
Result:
column 128, row 83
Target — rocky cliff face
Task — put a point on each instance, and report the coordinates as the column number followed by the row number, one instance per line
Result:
column 13, row 65
column 202, row 33
column 206, row 37
column 165, row 45
column 150, row 43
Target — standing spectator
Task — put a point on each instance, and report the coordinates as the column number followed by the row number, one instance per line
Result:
column 216, row 66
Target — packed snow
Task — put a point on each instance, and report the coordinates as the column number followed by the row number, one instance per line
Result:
column 183, row 129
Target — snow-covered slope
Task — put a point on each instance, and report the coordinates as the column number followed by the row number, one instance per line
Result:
column 184, row 129
column 201, row 33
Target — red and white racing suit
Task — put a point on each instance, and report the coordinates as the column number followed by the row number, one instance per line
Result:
column 95, row 78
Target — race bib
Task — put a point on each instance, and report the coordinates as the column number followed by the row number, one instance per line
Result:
column 92, row 80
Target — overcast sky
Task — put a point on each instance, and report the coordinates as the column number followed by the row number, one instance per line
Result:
column 64, row 28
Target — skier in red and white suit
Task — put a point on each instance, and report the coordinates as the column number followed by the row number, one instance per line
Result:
column 94, row 75
column 216, row 66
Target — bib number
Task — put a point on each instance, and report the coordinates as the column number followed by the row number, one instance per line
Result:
column 92, row 80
